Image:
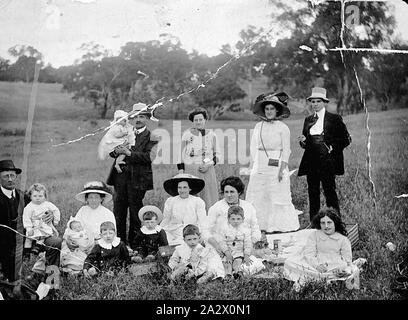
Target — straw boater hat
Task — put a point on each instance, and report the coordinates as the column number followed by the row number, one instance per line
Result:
column 318, row 93
column 140, row 106
column 94, row 187
column 196, row 184
column 154, row 209
column 279, row 100
column 8, row 165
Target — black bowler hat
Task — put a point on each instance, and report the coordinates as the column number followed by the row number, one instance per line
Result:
column 8, row 165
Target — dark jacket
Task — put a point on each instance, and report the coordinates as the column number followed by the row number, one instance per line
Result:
column 107, row 259
column 335, row 135
column 139, row 164
column 11, row 244
column 148, row 244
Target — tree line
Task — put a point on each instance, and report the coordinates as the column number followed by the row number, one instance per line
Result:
column 149, row 71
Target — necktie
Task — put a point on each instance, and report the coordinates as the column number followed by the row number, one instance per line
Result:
column 12, row 195
column 316, row 116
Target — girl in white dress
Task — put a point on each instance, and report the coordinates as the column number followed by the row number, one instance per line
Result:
column 269, row 181
column 33, row 214
column 326, row 255
column 183, row 207
column 200, row 153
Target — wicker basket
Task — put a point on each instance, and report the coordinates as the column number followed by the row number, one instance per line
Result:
column 352, row 231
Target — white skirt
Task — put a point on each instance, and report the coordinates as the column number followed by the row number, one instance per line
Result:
column 272, row 199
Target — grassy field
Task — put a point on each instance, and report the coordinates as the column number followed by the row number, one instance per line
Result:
column 381, row 216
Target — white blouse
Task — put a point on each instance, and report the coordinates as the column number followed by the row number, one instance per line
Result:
column 92, row 219
column 275, row 137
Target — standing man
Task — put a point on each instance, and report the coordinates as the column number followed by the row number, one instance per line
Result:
column 324, row 137
column 11, row 215
column 136, row 177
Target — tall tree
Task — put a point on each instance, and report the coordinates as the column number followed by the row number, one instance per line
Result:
column 319, row 27
column 27, row 58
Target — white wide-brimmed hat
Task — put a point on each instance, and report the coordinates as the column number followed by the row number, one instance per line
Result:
column 94, row 187
column 195, row 184
column 318, row 93
column 278, row 99
column 154, row 209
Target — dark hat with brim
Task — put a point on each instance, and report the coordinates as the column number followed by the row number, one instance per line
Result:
column 8, row 165
column 94, row 187
column 279, row 100
column 195, row 184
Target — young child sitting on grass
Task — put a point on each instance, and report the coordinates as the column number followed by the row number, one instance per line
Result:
column 36, row 228
column 150, row 237
column 235, row 242
column 108, row 254
column 192, row 260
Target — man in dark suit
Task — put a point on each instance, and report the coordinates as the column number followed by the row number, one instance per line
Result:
column 324, row 137
column 136, row 177
column 11, row 215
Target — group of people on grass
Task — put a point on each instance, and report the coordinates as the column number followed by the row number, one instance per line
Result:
column 211, row 238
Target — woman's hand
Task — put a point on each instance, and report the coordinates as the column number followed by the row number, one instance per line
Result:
column 283, row 166
column 322, row 267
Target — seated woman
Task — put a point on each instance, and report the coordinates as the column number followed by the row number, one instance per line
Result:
column 217, row 220
column 182, row 208
column 93, row 213
column 326, row 255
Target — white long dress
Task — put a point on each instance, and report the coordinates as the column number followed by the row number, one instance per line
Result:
column 178, row 213
column 272, row 199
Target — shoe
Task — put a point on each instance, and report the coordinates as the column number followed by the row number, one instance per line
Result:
column 137, row 259
column 150, row 258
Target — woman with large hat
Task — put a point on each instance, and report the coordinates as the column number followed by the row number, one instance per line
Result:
column 269, row 181
column 94, row 196
column 199, row 155
column 183, row 207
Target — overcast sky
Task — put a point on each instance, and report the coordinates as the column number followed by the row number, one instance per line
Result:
column 57, row 28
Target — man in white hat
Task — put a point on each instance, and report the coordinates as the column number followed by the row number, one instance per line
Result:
column 324, row 137
column 136, row 177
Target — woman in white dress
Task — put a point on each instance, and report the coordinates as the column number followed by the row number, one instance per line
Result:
column 269, row 181
column 182, row 208
column 200, row 154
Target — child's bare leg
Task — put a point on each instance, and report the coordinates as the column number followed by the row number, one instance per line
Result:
column 118, row 160
column 227, row 266
column 236, row 265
